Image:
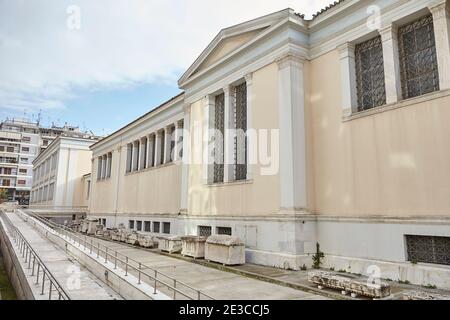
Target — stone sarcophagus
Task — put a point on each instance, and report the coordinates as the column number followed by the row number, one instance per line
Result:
column 224, row 249
column 421, row 295
column 170, row 244
column 146, row 241
column 132, row 238
column 353, row 285
column 193, row 246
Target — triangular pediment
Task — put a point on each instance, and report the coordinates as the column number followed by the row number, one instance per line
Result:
column 232, row 40
column 226, row 46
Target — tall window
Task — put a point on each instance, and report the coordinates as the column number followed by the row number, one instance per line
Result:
column 219, row 126
column 419, row 70
column 240, row 140
column 136, row 156
column 99, row 168
column 108, row 172
column 370, row 74
column 162, row 147
column 172, row 144
column 129, row 157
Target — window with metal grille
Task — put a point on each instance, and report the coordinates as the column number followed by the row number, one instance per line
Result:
column 139, row 225
column 224, row 230
column 204, row 231
column 418, row 62
column 172, row 144
column 147, row 227
column 166, row 227
column 131, row 224
column 240, row 140
column 162, row 147
column 370, row 74
column 219, row 126
column 156, row 227
column 428, row 249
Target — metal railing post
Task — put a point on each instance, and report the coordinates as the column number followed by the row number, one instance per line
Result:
column 154, row 289
column 106, row 255
column 43, row 283
column 115, row 260
column 139, row 273
column 126, row 266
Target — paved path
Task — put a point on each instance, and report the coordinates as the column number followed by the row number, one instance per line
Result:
column 63, row 267
column 216, row 283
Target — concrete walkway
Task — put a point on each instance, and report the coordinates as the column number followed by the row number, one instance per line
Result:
column 216, row 283
column 78, row 282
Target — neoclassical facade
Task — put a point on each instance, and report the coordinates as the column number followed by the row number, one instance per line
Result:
column 345, row 143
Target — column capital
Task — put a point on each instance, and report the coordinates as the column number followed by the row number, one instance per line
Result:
column 388, row 33
column 440, row 10
column 290, row 59
column 249, row 79
column 347, row 50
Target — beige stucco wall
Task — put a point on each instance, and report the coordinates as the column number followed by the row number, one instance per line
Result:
column 152, row 191
column 392, row 163
column 259, row 197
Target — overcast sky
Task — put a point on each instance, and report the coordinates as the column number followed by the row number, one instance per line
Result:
column 124, row 59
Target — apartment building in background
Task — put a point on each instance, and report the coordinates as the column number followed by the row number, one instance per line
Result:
column 21, row 141
column 357, row 99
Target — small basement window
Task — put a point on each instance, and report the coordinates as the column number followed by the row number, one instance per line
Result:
column 166, row 227
column 204, row 231
column 139, row 225
column 428, row 249
column 156, row 227
column 131, row 224
column 147, row 226
column 224, row 230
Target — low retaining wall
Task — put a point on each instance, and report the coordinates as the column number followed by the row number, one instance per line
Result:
column 13, row 267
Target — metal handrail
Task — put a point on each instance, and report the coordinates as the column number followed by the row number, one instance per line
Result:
column 115, row 257
column 29, row 254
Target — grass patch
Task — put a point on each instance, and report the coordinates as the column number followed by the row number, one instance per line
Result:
column 6, row 289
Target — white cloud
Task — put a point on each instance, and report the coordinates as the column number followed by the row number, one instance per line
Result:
column 120, row 43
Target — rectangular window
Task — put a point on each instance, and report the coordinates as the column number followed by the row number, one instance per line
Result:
column 139, row 225
column 156, row 227
column 136, row 156
column 26, row 139
column 131, row 224
column 224, row 230
column 25, row 149
column 6, row 182
column 370, row 74
column 144, row 153
column 99, row 168
column 7, row 171
column 240, row 140
column 172, row 144
column 2, row 148
column 147, row 226
column 23, row 171
column 51, row 190
column 418, row 62
column 204, row 231
column 129, row 157
column 428, row 249
column 104, row 222
column 162, row 147
column 21, row 182
column 109, row 165
column 219, row 126
column 9, row 149
column 166, row 227
column 152, row 151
